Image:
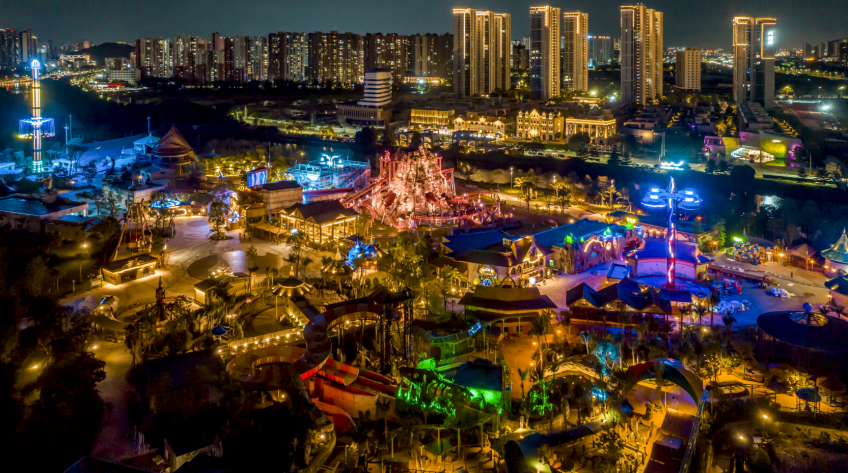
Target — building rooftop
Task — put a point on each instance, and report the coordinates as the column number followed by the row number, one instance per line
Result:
column 580, row 229
column 790, row 327
column 507, row 299
column 839, row 251
column 686, row 251
column 280, row 185
column 320, row 212
column 32, row 206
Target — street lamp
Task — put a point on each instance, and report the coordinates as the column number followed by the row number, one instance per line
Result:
column 512, row 183
column 85, row 246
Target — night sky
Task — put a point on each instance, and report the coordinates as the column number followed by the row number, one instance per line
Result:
column 687, row 22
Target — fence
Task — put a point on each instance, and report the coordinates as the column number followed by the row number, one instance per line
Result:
column 693, row 436
column 290, row 334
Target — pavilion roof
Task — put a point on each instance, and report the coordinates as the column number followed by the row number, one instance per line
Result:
column 803, row 250
column 839, row 251
column 173, row 145
column 507, row 299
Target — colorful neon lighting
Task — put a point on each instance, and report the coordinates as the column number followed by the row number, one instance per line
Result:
column 671, row 198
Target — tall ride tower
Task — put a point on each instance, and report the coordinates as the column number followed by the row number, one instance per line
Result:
column 672, row 198
column 37, row 126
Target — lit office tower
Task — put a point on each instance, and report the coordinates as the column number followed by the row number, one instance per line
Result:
column 687, row 69
column 36, row 127
column 753, row 60
column 481, row 51
column 641, row 54
column 575, row 52
column 544, row 52
column 600, row 50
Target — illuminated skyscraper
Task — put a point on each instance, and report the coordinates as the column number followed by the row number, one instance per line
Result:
column 575, row 52
column 753, row 60
column 687, row 69
column 481, row 49
column 641, row 55
column 544, row 52
column 36, row 127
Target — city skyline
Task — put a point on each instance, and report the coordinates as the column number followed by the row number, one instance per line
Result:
column 700, row 25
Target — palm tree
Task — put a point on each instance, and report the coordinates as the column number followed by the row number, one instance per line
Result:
column 497, row 173
column 539, row 325
column 525, row 183
column 522, row 374
column 713, row 301
column 728, row 321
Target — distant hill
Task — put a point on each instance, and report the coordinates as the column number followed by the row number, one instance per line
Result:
column 102, row 51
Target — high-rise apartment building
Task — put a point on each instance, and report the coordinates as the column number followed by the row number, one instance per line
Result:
column 258, row 58
column 753, row 60
column 335, row 58
column 545, row 52
column 432, row 55
column 9, row 48
column 641, row 54
column 387, row 52
column 481, row 51
column 600, row 50
column 575, row 53
column 687, row 69
column 28, row 46
column 520, row 56
column 153, row 57
column 288, row 56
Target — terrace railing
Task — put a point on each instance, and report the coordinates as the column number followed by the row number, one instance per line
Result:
column 693, row 436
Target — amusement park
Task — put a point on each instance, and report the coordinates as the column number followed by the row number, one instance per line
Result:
column 376, row 304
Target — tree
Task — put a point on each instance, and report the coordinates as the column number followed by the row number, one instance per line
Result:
column 802, row 172
column 822, row 176
column 728, row 321
column 526, row 183
column 723, row 167
column 297, row 242
column 217, row 216
column 539, row 325
column 415, row 140
column 498, row 175
column 743, row 175
column 364, row 142
column 563, row 201
column 711, row 167
column 112, row 203
column 579, row 140
column 614, row 159
column 721, row 129
column 89, row 171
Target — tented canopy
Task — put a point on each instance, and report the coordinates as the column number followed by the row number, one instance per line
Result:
column 804, row 251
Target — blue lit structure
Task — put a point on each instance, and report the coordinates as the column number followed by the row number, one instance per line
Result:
column 360, row 251
column 331, row 172
column 36, row 127
column 671, row 198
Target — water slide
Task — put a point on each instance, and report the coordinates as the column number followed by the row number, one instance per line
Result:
column 250, row 368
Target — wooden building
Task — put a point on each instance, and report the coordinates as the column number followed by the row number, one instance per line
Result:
column 320, row 221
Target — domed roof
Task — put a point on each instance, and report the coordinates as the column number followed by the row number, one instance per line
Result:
column 807, row 331
column 839, row 251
